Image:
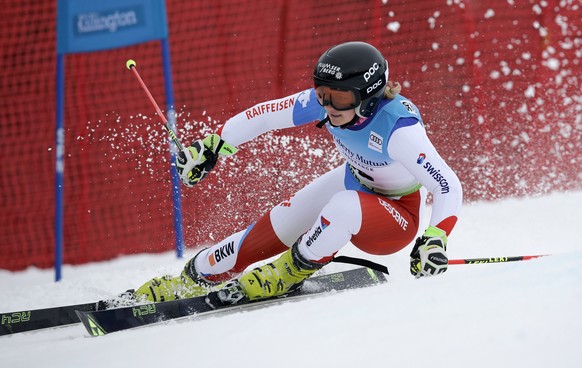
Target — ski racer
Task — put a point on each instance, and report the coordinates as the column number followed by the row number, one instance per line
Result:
column 373, row 200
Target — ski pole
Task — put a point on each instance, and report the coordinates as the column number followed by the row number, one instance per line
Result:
column 361, row 262
column 384, row 269
column 131, row 65
column 493, row 260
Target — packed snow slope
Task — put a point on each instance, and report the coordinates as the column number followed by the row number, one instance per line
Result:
column 520, row 314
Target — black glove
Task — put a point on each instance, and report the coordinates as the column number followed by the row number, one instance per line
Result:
column 429, row 256
column 195, row 162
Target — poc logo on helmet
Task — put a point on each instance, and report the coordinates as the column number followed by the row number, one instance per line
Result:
column 374, row 86
column 371, row 72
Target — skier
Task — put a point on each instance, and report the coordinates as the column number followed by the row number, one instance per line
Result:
column 373, row 200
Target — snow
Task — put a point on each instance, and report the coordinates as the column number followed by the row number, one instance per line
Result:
column 393, row 26
column 520, row 314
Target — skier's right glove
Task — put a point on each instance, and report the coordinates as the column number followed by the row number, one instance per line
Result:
column 429, row 256
column 196, row 161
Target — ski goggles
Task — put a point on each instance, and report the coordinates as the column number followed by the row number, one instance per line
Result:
column 339, row 99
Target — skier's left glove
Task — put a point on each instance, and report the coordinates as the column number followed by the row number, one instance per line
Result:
column 429, row 256
column 196, row 161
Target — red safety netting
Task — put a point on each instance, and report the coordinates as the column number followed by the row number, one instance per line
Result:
column 498, row 86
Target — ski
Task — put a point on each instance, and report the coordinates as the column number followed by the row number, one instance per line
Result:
column 35, row 319
column 99, row 323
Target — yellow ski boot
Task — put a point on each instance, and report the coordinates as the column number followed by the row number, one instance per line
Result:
column 279, row 277
column 162, row 289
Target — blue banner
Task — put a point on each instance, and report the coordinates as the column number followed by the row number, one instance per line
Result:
column 90, row 25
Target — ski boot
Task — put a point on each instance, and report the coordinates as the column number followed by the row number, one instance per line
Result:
column 162, row 289
column 282, row 276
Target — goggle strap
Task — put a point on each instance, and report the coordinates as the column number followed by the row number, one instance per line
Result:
column 322, row 122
